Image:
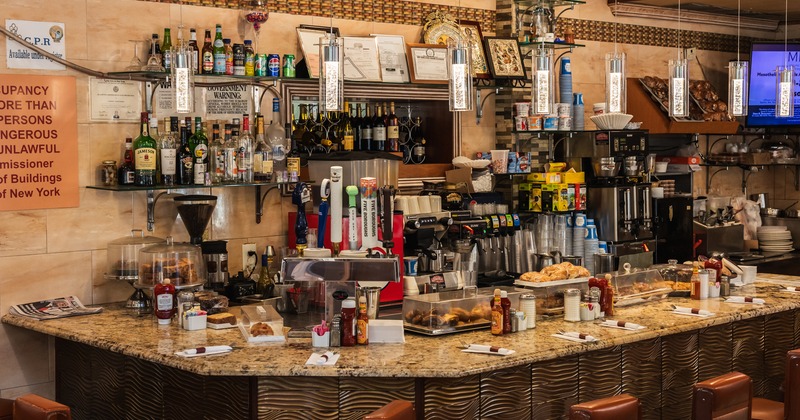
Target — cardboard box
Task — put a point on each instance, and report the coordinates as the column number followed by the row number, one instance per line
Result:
column 546, row 177
column 536, row 198
column 576, row 194
column 555, row 197
column 573, row 177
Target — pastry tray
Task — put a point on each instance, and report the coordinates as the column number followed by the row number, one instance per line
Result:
column 252, row 314
column 642, row 297
column 531, row 284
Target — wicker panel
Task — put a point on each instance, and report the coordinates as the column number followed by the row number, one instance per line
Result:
column 506, row 394
column 600, row 374
column 298, row 398
column 679, row 358
column 74, row 386
column 748, row 351
column 144, row 386
column 108, row 398
column 716, row 352
column 447, row 398
column 360, row 396
column 554, row 388
column 641, row 373
column 778, row 340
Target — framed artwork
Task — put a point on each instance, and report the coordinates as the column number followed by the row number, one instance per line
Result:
column 427, row 63
column 392, row 50
column 473, row 35
column 308, row 37
column 504, row 58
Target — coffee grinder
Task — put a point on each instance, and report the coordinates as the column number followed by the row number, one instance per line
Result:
column 196, row 211
column 618, row 191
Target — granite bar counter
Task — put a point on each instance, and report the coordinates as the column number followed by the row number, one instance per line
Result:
column 114, row 363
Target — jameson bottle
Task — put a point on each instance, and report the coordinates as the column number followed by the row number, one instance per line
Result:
column 207, row 55
column 185, row 159
column 219, row 52
column 200, row 152
column 144, row 152
column 166, row 50
column 169, row 152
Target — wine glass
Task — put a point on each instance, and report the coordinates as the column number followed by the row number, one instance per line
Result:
column 135, row 63
column 153, row 61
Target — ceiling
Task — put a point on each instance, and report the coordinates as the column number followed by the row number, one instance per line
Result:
column 762, row 9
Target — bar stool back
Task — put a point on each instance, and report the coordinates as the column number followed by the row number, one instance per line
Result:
column 618, row 407
column 791, row 388
column 726, row 397
column 395, row 410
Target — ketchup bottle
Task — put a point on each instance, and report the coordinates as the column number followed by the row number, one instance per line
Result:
column 348, row 323
column 164, row 296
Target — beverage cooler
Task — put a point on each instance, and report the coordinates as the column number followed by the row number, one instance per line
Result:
column 672, row 223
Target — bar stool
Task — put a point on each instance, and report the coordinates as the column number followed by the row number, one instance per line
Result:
column 791, row 387
column 33, row 407
column 728, row 397
column 618, row 407
column 395, row 410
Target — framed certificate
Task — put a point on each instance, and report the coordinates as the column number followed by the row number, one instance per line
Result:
column 428, row 63
column 392, row 50
column 361, row 59
column 308, row 38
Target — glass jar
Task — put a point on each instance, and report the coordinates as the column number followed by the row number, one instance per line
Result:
column 572, row 305
column 527, row 304
column 108, row 172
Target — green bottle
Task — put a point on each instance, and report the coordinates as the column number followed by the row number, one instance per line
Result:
column 219, row 52
column 166, row 50
column 144, row 152
column 200, row 152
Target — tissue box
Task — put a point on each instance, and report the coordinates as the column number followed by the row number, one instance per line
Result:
column 192, row 323
column 386, row 331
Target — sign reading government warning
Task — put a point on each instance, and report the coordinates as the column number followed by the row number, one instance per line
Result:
column 38, row 142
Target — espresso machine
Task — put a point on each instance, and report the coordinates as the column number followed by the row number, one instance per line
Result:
column 619, row 190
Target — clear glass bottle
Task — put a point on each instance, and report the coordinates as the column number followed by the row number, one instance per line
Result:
column 276, row 137
column 229, row 152
column 262, row 156
column 169, row 152
column 228, row 56
column 166, row 50
column 216, row 157
column 125, row 173
column 244, row 157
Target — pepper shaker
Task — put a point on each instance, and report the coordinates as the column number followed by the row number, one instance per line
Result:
column 336, row 331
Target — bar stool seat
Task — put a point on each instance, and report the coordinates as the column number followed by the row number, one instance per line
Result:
column 726, row 397
column 764, row 409
column 395, row 410
column 618, row 407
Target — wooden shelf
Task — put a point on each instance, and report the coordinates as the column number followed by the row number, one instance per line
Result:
column 424, row 170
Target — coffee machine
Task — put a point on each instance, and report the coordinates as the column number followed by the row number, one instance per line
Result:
column 618, row 189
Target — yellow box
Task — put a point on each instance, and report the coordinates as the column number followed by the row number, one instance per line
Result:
column 573, row 177
column 555, row 197
column 546, row 177
column 536, row 177
column 536, row 198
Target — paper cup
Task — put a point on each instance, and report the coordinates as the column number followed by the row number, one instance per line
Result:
column 749, row 273
column 661, row 167
column 564, row 110
column 522, row 109
column 436, row 203
column 534, row 123
column 657, row 192
column 599, row 108
column 424, row 204
column 401, row 203
column 521, row 123
column 413, row 205
column 500, row 161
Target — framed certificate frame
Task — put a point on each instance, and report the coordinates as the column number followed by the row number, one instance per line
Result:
column 427, row 63
column 361, row 59
column 308, row 38
column 474, row 36
column 392, row 50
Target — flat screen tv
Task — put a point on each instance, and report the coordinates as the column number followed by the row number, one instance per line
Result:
column 764, row 59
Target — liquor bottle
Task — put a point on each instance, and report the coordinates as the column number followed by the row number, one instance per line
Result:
column 155, row 49
column 265, row 286
column 355, row 123
column 216, row 157
column 207, row 56
column 249, row 58
column 164, row 296
column 497, row 314
column 185, row 170
column 228, row 56
column 126, row 172
column 156, row 135
column 169, row 153
column 200, row 152
column 276, row 137
column 245, row 153
column 378, row 130
column 392, row 131
column 188, row 124
column 348, row 134
column 362, row 323
column 196, row 61
column 262, row 157
column 144, row 152
column 229, row 152
column 298, row 128
column 219, row 52
column 366, row 130
column 166, row 50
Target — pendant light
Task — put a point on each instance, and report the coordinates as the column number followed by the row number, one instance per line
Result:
column 181, row 73
column 542, row 74
column 331, row 71
column 784, row 79
column 738, row 76
column 459, row 62
column 679, row 80
column 616, row 96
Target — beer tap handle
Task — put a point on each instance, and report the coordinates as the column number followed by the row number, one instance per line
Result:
column 387, row 195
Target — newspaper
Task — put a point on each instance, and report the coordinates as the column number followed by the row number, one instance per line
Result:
column 54, row 308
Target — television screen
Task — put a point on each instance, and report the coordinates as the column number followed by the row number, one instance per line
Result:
column 764, row 59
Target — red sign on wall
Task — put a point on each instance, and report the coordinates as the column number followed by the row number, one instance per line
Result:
column 38, row 142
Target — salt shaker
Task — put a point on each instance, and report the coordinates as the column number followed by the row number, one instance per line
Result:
column 572, row 305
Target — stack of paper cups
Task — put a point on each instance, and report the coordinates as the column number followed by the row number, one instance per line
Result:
column 579, row 235
column 577, row 112
column 569, row 233
column 590, row 245
column 565, row 81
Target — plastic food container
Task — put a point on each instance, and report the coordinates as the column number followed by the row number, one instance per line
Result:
column 550, row 294
column 638, row 286
column 182, row 263
column 123, row 255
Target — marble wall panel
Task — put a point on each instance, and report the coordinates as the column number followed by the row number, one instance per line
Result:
column 23, row 232
column 104, row 290
column 46, row 390
column 26, row 355
column 104, row 18
column 35, row 277
column 101, row 217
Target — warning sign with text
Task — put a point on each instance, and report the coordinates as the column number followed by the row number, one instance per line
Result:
column 38, row 142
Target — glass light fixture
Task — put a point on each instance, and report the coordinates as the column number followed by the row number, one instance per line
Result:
column 738, row 76
column 616, row 97
column 784, row 92
column 331, row 73
column 183, row 80
column 678, row 88
column 542, row 90
column 460, row 76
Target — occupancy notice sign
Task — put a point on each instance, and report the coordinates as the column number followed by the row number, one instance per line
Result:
column 38, row 142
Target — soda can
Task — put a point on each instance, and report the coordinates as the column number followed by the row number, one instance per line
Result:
column 261, row 65
column 273, row 65
column 288, row 65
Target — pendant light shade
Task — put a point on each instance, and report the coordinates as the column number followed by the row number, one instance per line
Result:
column 738, row 76
column 331, row 73
column 784, row 92
column 616, row 97
column 183, row 80
column 678, row 88
column 542, row 73
column 460, row 76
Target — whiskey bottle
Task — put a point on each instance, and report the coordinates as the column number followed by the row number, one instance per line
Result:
column 185, row 168
column 144, row 151
column 168, row 151
column 200, row 152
